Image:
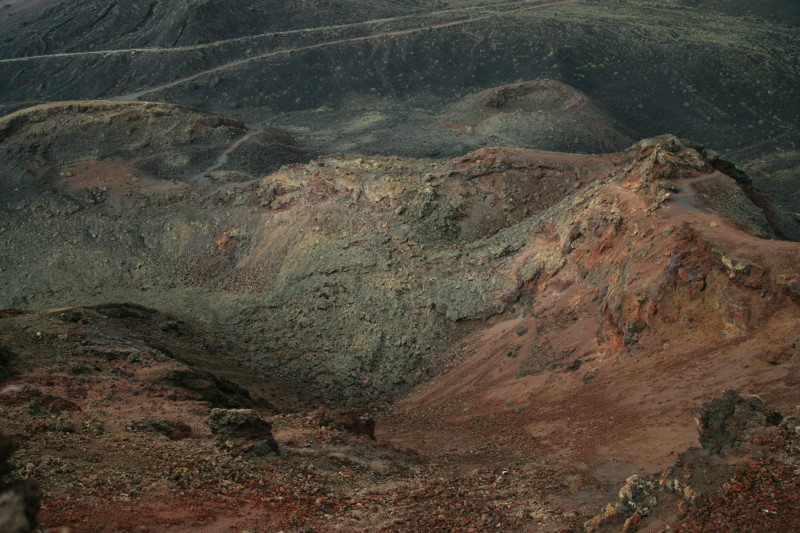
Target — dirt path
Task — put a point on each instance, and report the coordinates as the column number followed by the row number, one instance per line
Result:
column 216, row 44
column 201, row 178
column 288, row 51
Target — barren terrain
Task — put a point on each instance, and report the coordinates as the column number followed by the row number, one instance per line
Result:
column 378, row 78
column 528, row 329
column 400, row 265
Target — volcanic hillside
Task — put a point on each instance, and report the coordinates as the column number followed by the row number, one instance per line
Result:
column 379, row 77
column 564, row 314
column 358, row 273
column 399, row 265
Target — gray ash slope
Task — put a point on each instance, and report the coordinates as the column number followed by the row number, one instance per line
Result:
column 378, row 79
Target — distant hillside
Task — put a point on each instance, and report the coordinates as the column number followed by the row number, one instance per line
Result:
column 775, row 11
column 378, row 78
column 79, row 25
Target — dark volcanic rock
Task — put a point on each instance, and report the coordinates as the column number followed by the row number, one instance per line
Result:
column 239, row 423
column 5, row 356
column 173, row 429
column 219, row 392
column 244, row 425
column 724, row 423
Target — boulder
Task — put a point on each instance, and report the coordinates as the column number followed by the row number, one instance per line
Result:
column 173, row 429
column 239, row 423
column 244, row 425
column 725, row 423
column 219, row 392
column 350, row 420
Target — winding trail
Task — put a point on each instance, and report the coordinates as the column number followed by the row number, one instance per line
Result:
column 325, row 44
column 201, row 178
column 245, row 38
column 759, row 142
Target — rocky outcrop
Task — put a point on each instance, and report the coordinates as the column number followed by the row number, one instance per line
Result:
column 219, row 392
column 19, row 499
column 725, row 423
column 172, row 429
column 744, row 444
column 244, row 425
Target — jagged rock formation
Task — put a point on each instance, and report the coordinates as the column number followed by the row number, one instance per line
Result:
column 725, row 423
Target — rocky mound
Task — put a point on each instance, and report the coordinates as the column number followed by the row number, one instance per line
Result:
column 743, row 478
column 127, row 150
column 547, row 114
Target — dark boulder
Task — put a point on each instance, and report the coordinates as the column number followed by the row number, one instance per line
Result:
column 173, row 429
column 219, row 392
column 243, row 425
column 725, row 423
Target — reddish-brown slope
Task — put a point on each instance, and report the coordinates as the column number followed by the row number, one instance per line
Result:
column 646, row 304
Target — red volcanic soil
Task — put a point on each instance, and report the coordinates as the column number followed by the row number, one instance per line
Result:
column 117, row 178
